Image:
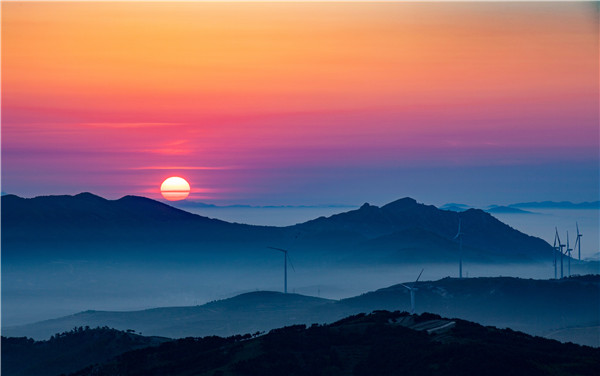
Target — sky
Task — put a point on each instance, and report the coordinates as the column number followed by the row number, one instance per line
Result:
column 302, row 104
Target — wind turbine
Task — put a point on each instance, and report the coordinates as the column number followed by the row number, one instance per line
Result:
column 568, row 253
column 578, row 242
column 459, row 236
column 555, row 250
column 412, row 290
column 560, row 246
column 285, row 260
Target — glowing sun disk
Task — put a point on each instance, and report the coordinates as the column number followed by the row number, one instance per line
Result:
column 175, row 188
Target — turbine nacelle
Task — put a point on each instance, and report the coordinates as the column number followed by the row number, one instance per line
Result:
column 412, row 290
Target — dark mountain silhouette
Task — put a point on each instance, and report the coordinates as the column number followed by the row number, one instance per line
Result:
column 88, row 224
column 381, row 343
column 86, row 215
column 537, row 307
column 68, row 351
column 490, row 237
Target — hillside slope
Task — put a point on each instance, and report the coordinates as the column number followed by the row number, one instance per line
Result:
column 382, row 343
column 68, row 351
column 537, row 307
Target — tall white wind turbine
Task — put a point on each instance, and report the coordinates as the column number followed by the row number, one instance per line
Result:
column 412, row 290
column 459, row 236
column 560, row 246
column 568, row 253
column 286, row 258
column 555, row 250
column 578, row 241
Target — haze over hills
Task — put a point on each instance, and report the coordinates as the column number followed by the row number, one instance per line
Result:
column 87, row 223
column 507, row 209
column 539, row 307
column 518, row 207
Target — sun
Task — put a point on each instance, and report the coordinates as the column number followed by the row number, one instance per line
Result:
column 175, row 188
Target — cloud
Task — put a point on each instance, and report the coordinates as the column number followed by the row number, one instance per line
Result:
column 182, row 168
column 128, row 125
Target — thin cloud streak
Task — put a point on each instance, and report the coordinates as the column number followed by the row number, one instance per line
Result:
column 128, row 125
column 182, row 168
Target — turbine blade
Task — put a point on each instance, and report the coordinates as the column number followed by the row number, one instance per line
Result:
column 290, row 260
column 458, row 233
column 278, row 249
column 403, row 285
column 577, row 225
column 419, row 276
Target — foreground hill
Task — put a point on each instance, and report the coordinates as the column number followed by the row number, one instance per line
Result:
column 558, row 308
column 382, row 343
column 68, row 351
column 86, row 224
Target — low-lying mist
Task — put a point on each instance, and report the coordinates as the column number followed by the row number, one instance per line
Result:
column 39, row 290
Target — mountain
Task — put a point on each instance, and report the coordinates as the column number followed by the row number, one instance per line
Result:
column 455, row 207
column 557, row 205
column 88, row 224
column 507, row 210
column 544, row 307
column 381, row 343
column 484, row 233
column 68, row 351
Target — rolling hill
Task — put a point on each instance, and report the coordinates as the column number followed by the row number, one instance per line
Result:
column 68, row 351
column 538, row 307
column 381, row 343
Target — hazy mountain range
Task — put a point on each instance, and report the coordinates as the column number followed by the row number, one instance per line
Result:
column 399, row 231
column 381, row 343
column 518, row 208
column 563, row 309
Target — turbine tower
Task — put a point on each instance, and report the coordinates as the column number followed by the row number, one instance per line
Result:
column 412, row 290
column 568, row 252
column 459, row 236
column 285, row 261
column 560, row 246
column 555, row 250
column 578, row 242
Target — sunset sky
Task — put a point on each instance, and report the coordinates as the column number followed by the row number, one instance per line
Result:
column 315, row 103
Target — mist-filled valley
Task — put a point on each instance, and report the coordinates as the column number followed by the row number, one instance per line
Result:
column 68, row 254
column 39, row 291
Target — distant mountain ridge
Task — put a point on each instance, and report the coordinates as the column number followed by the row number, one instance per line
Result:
column 558, row 205
column 517, row 208
column 507, row 210
column 87, row 222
